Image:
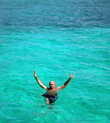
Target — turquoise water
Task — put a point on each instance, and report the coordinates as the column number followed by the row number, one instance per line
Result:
column 55, row 38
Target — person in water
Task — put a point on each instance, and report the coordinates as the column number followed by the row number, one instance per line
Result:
column 52, row 92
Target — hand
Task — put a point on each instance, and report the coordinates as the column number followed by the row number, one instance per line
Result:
column 34, row 74
column 71, row 76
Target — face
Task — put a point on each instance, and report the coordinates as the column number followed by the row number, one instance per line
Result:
column 51, row 84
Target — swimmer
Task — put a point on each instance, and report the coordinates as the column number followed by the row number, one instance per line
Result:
column 52, row 92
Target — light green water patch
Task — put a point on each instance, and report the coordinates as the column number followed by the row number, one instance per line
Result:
column 54, row 53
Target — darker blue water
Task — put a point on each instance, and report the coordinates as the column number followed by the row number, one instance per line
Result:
column 61, row 14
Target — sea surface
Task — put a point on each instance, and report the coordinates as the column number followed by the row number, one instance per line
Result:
column 55, row 38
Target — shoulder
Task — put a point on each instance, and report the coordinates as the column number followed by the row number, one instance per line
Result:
column 60, row 87
column 45, row 87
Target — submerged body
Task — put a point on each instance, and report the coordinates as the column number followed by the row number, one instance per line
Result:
column 51, row 94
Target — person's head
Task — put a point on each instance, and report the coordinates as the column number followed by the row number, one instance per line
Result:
column 51, row 84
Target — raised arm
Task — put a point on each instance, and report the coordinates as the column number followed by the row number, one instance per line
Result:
column 38, row 81
column 66, row 83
